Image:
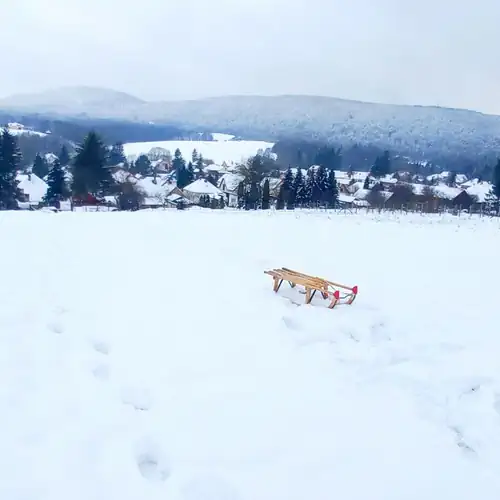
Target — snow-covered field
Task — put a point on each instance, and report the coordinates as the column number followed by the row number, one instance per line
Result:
column 145, row 356
column 219, row 151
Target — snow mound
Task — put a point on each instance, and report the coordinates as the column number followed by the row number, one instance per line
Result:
column 145, row 355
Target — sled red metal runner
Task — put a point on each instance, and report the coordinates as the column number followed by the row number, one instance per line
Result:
column 337, row 293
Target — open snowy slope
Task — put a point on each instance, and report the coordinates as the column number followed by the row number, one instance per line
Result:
column 218, row 151
column 144, row 355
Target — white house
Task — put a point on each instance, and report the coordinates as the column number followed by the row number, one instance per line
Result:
column 32, row 187
column 229, row 183
column 199, row 188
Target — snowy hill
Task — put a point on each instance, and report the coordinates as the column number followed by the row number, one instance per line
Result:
column 218, row 151
column 18, row 129
column 145, row 356
column 73, row 101
column 420, row 130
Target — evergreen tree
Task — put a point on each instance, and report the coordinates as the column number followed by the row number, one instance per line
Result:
column 266, row 196
column 181, row 172
column 116, row 155
column 299, row 188
column 194, row 157
column 329, row 158
column 40, row 167
column 64, row 158
column 241, row 194
column 10, row 157
column 288, row 187
column 366, row 184
column 322, row 186
column 252, row 196
column 491, row 201
column 199, row 165
column 57, row 188
column 252, row 172
column 91, row 175
column 382, row 165
column 189, row 173
column 332, row 192
column 309, row 187
column 142, row 166
column 496, row 179
column 280, row 202
column 452, row 179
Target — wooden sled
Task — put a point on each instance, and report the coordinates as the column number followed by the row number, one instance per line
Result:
column 313, row 284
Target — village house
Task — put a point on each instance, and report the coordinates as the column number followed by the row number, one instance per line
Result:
column 228, row 184
column 33, row 190
column 201, row 187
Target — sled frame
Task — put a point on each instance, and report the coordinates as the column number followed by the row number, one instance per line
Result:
column 312, row 284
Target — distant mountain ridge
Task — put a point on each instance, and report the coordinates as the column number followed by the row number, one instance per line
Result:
column 421, row 131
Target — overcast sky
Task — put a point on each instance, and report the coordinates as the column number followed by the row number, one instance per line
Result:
column 440, row 52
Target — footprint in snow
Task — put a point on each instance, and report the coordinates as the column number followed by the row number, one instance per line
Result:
column 151, row 462
column 101, row 347
column 56, row 327
column 139, row 399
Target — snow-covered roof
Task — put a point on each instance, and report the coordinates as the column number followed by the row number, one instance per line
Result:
column 175, row 198
column 446, row 192
column 33, row 186
column 230, row 182
column 202, row 186
column 459, row 179
column 214, row 168
column 418, row 189
column 480, row 190
column 154, row 190
column 388, row 179
column 356, row 176
column 344, row 198
column 362, row 194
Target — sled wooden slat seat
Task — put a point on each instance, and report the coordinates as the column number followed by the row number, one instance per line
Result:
column 312, row 284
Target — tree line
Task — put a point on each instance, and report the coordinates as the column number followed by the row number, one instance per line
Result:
column 361, row 157
column 317, row 186
column 87, row 174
